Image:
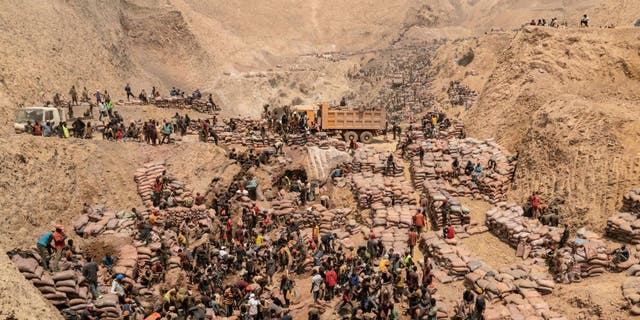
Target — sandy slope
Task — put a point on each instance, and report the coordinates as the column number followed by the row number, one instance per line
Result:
column 566, row 100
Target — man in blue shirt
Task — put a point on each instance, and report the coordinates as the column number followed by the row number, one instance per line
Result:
column 44, row 248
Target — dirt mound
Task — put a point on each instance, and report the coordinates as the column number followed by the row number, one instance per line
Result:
column 563, row 99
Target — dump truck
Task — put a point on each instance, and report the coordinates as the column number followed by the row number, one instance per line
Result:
column 359, row 125
column 40, row 114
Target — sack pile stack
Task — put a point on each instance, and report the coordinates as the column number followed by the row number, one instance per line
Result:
column 98, row 221
column 393, row 216
column 199, row 105
column 439, row 154
column 375, row 188
column 529, row 236
column 396, row 238
column 145, row 178
column 496, row 284
column 631, row 285
column 526, row 304
column 63, row 289
column 251, row 139
column 455, row 259
column 331, row 220
column 369, row 160
column 625, row 225
column 631, row 201
column 458, row 214
column 327, row 143
column 585, row 256
column 108, row 307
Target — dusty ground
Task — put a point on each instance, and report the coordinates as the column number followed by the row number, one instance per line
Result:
column 566, row 99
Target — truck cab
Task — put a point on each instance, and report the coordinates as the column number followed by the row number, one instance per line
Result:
column 40, row 114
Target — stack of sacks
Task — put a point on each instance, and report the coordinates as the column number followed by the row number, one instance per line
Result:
column 455, row 259
column 624, row 226
column 31, row 270
column 458, row 214
column 529, row 236
column 331, row 142
column 585, row 256
column 510, row 279
column 88, row 224
column 127, row 262
column 397, row 216
column 369, row 160
column 393, row 238
column 330, row 220
column 526, row 304
column 68, row 283
column 199, row 105
column 107, row 307
column 98, row 221
column 251, row 139
column 375, row 188
column 284, row 208
column 631, row 201
column 439, row 155
column 631, row 285
column 145, row 178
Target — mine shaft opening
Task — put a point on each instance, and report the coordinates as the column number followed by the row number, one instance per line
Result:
column 288, row 179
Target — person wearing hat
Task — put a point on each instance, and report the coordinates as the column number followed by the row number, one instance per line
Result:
column 254, row 306
column 58, row 243
column 481, row 304
column 116, row 286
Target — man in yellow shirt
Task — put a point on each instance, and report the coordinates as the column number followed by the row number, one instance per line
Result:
column 259, row 239
column 384, row 263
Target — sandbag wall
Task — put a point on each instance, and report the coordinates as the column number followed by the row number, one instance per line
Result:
column 526, row 304
column 391, row 216
column 396, row 238
column 511, row 279
column 456, row 260
column 458, row 214
column 145, row 178
column 375, row 188
column 369, row 160
column 64, row 289
column 528, row 236
column 631, row 285
column 631, row 201
column 97, row 221
column 624, row 226
column 199, row 105
column 492, row 185
column 585, row 256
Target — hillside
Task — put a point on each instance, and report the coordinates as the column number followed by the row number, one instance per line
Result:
column 566, row 100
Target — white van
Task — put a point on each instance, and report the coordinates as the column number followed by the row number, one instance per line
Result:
column 41, row 114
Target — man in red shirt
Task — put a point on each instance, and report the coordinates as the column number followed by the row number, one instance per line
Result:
column 535, row 204
column 418, row 220
column 331, row 280
column 58, row 243
column 450, row 232
column 413, row 239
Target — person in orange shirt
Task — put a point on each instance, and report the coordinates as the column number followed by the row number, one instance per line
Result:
column 413, row 239
column 418, row 221
column 59, row 242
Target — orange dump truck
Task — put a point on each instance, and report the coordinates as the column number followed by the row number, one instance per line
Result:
column 360, row 125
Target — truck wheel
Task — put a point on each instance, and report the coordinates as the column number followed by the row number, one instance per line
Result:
column 366, row 137
column 350, row 135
